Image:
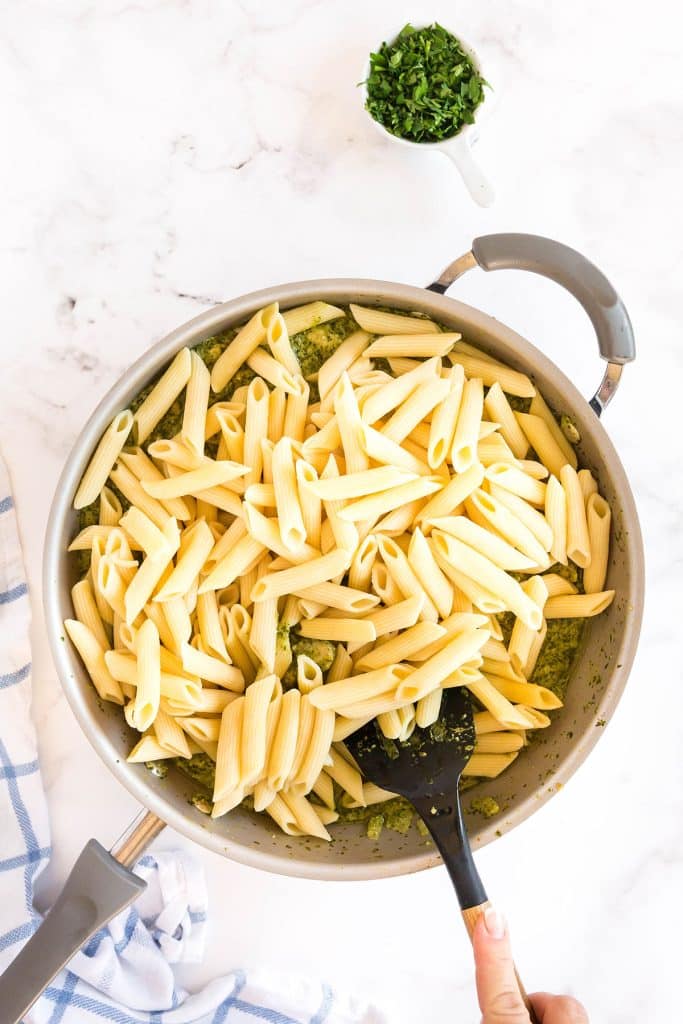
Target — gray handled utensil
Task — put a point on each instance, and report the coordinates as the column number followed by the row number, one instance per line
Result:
column 426, row 770
column 99, row 887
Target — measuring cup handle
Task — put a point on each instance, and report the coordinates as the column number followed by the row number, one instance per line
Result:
column 459, row 152
column 574, row 272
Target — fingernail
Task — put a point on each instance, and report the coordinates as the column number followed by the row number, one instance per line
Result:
column 495, row 923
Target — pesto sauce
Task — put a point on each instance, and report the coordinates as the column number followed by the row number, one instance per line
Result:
column 314, row 346
column 200, row 768
column 88, row 516
column 555, row 661
column 396, row 814
column 486, row 806
column 322, row 652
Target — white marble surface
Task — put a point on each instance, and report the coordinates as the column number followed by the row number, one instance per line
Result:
column 161, row 156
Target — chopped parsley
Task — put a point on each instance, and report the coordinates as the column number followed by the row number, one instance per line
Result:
column 423, row 86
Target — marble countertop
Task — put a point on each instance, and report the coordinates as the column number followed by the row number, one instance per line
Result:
column 165, row 156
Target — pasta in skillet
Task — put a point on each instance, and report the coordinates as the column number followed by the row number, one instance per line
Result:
column 290, row 553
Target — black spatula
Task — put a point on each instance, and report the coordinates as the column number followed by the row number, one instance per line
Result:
column 426, row 770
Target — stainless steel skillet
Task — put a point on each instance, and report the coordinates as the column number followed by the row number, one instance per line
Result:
column 101, row 883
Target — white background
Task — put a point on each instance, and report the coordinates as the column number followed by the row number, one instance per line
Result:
column 158, row 157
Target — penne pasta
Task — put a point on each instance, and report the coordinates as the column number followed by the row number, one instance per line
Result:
column 556, row 514
column 376, row 321
column 301, row 318
column 510, row 381
column 453, row 494
column 318, row 570
column 350, row 427
column 435, row 584
column 500, row 410
column 296, row 409
column 385, row 399
column 353, row 630
column 103, row 460
column 471, row 563
column 403, row 575
column 488, row 766
column 376, row 505
column 274, row 372
column 148, row 673
column 341, row 360
column 539, row 408
column 413, row 345
column 578, row 539
column 542, row 439
column 487, row 543
column 444, row 420
column 569, row 606
column 598, row 521
column 92, row 656
column 162, row 396
column 514, row 480
column 413, row 409
column 526, row 693
column 246, row 341
column 402, row 647
column 588, row 483
column 196, row 406
column 110, row 510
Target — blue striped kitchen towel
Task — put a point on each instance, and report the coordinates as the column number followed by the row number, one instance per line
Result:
column 125, row 973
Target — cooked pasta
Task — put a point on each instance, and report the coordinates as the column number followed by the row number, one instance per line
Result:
column 376, row 321
column 103, row 459
column 274, row 571
column 163, row 395
column 598, row 520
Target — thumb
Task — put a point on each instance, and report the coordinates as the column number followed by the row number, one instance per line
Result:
column 499, row 997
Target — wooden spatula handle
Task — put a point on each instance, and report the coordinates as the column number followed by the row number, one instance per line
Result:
column 470, row 916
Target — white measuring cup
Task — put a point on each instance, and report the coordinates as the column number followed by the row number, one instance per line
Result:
column 458, row 148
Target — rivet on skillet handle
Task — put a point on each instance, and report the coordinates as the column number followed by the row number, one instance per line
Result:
column 574, row 272
column 99, row 887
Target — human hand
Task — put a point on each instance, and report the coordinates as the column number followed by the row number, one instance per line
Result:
column 499, row 997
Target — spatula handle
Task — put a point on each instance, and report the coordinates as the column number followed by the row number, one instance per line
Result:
column 470, row 916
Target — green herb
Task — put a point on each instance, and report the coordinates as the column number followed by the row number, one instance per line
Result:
column 486, row 806
column 423, row 86
column 375, row 826
column 569, row 429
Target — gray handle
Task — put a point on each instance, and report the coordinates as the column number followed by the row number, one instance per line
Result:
column 574, row 272
column 97, row 889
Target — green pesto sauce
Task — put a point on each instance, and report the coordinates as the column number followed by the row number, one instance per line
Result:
column 322, row 652
column 88, row 516
column 396, row 814
column 518, row 404
column 314, row 346
column 200, row 768
column 554, row 665
column 486, row 806
column 555, row 661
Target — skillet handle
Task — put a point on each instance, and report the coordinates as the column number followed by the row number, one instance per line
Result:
column 97, row 889
column 574, row 272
